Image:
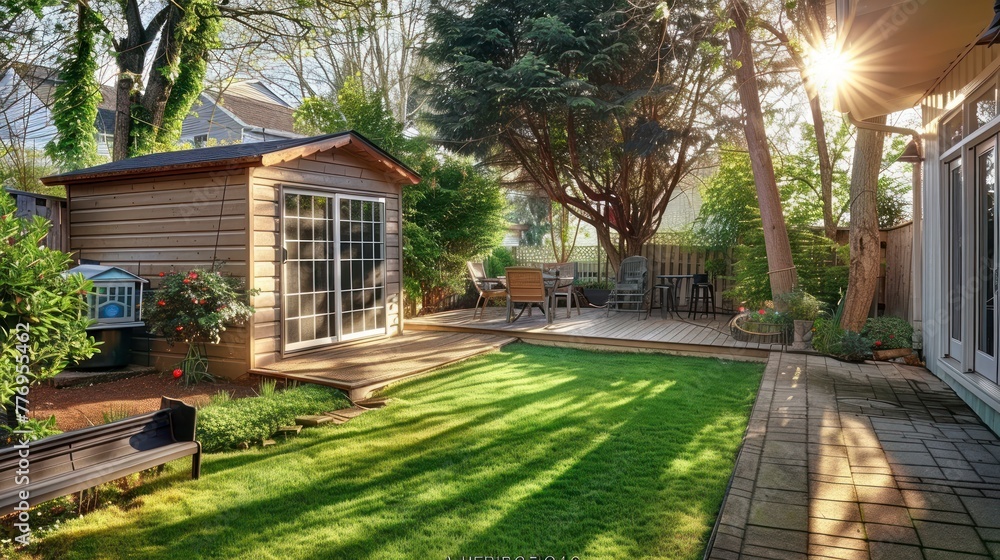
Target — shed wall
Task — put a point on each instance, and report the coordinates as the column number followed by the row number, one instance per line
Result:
column 177, row 222
column 332, row 171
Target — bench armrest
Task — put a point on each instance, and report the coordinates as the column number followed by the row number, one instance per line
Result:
column 183, row 418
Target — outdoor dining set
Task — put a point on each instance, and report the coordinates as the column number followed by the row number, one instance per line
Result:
column 527, row 287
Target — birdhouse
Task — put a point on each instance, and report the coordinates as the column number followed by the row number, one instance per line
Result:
column 114, row 301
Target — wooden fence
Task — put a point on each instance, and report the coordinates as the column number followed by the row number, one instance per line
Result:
column 52, row 208
column 896, row 281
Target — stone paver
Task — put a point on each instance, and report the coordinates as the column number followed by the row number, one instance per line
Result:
column 873, row 460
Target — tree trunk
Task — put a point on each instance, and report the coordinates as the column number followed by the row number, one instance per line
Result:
column 781, row 269
column 825, row 165
column 865, row 250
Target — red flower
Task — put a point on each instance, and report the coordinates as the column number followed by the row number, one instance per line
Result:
column 892, row 336
column 178, row 372
column 194, row 300
column 193, row 275
column 742, row 309
column 162, row 274
column 161, row 303
column 762, row 312
column 180, row 328
column 202, row 302
column 187, row 280
column 878, row 343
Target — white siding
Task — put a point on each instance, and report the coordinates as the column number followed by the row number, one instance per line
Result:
column 25, row 121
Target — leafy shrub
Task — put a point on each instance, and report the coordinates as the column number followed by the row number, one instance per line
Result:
column 268, row 388
column 801, row 306
column 853, row 346
column 767, row 316
column 220, row 397
column 35, row 429
column 499, row 259
column 225, row 425
column 826, row 335
column 116, row 413
column 887, row 333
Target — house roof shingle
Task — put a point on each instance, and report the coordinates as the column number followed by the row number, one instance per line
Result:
column 253, row 112
column 235, row 156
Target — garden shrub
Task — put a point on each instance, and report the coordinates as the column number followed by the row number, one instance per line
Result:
column 888, row 333
column 853, row 346
column 498, row 261
column 224, row 425
column 801, row 306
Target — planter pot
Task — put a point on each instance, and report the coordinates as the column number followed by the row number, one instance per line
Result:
column 760, row 333
column 802, row 335
column 890, row 354
column 596, row 296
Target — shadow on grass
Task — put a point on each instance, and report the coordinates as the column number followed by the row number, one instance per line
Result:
column 528, row 451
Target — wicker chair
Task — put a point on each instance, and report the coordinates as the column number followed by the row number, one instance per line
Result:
column 485, row 289
column 525, row 286
column 632, row 287
column 565, row 270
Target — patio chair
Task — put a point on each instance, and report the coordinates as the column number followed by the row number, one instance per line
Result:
column 565, row 270
column 632, row 287
column 525, row 286
column 486, row 290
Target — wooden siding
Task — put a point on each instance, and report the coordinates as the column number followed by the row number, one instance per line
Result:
column 333, row 171
column 154, row 225
column 52, row 209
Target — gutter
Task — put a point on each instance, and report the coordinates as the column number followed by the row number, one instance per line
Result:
column 890, row 130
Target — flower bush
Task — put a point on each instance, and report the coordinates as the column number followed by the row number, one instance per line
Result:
column 802, row 306
column 889, row 333
column 195, row 308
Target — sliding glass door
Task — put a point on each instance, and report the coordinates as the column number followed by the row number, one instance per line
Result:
column 333, row 272
column 986, row 234
column 954, row 250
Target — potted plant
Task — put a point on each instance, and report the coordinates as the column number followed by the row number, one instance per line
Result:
column 194, row 308
column 891, row 337
column 803, row 309
column 596, row 291
column 763, row 326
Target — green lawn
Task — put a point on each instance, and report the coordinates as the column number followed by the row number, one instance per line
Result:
column 528, row 451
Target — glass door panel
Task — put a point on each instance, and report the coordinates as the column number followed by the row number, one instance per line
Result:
column 308, row 290
column 362, row 266
column 986, row 285
column 954, row 245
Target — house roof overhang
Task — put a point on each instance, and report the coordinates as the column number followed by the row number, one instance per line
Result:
column 898, row 50
column 239, row 156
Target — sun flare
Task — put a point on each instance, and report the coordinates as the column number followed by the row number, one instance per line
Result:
column 829, row 67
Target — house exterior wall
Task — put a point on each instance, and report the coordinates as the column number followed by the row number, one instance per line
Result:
column 949, row 99
column 208, row 119
column 334, row 171
column 160, row 224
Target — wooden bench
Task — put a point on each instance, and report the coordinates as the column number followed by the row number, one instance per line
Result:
column 74, row 461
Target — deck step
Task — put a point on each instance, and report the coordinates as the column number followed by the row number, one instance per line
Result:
column 268, row 443
column 312, row 420
column 289, row 430
column 374, row 402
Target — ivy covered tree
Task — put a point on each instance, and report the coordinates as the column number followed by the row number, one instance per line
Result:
column 43, row 314
column 600, row 103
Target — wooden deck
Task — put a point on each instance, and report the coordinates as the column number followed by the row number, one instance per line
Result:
column 362, row 367
column 591, row 329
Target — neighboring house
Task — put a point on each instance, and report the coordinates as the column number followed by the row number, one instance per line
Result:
column 26, row 95
column 314, row 223
column 937, row 54
column 244, row 112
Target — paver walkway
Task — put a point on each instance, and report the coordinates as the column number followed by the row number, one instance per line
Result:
column 861, row 461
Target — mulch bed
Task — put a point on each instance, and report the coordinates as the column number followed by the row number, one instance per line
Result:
column 81, row 407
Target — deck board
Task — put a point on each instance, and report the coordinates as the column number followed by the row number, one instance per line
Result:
column 591, row 327
column 361, row 367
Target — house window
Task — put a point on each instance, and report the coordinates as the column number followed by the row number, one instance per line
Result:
column 200, row 140
column 106, row 139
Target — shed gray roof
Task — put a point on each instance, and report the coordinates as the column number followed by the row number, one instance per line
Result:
column 235, row 155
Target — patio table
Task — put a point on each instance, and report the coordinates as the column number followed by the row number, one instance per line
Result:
column 676, row 281
column 552, row 283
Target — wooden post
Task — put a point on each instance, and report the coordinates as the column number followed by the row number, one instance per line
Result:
column 781, row 269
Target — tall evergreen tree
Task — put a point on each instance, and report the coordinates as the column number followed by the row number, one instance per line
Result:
column 600, row 103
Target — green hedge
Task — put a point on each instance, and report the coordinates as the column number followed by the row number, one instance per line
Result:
column 225, row 425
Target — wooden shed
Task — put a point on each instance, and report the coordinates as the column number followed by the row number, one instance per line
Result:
column 313, row 223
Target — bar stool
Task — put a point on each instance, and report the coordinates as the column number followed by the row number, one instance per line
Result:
column 667, row 301
column 702, row 292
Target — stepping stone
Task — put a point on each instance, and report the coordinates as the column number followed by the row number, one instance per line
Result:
column 289, row 430
column 312, row 420
column 375, row 402
column 268, row 443
column 347, row 413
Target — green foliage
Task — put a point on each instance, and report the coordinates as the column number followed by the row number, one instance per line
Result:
column 224, row 425
column 74, row 111
column 801, row 306
column 220, row 397
column 198, row 33
column 197, row 306
column 500, row 258
column 116, row 413
column 767, row 319
column 888, row 333
column 353, row 108
column 30, row 429
column 892, row 201
column 34, row 293
column 531, row 211
column 729, row 220
column 853, row 346
column 23, row 170
column 268, row 388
